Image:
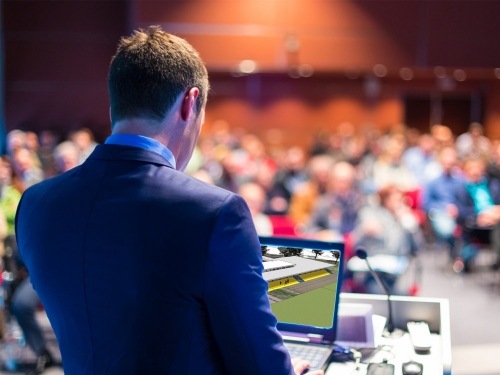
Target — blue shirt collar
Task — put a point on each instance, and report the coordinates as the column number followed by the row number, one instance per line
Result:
column 134, row 140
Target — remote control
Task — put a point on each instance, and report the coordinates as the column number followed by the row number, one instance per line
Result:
column 420, row 336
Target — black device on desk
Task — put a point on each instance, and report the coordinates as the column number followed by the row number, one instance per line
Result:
column 304, row 278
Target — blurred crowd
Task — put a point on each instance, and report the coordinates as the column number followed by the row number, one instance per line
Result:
column 31, row 158
column 388, row 192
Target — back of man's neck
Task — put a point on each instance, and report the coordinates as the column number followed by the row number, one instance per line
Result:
column 139, row 127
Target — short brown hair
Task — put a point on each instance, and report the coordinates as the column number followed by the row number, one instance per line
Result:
column 386, row 192
column 150, row 70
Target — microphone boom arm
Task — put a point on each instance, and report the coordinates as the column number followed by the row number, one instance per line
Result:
column 390, row 323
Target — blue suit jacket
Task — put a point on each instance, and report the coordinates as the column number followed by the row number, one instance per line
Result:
column 145, row 270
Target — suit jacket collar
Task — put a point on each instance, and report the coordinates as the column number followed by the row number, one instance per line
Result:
column 116, row 152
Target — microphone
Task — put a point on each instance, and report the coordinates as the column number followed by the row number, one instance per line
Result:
column 362, row 254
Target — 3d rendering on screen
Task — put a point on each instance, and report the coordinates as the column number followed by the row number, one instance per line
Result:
column 302, row 284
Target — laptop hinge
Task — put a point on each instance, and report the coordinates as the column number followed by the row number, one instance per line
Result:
column 305, row 338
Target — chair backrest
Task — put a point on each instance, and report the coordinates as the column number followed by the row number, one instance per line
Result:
column 413, row 198
column 283, row 226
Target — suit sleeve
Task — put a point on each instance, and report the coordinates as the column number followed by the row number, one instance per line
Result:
column 236, row 296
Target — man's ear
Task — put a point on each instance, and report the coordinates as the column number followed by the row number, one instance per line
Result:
column 189, row 102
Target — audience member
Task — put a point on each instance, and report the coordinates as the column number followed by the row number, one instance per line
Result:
column 336, row 149
column 229, row 174
column 443, row 136
column 356, row 150
column 84, row 139
column 25, row 168
column 388, row 228
column 48, row 141
column 320, row 144
column 208, row 156
column 248, row 159
column 9, row 200
column 389, row 168
column 440, row 201
column 33, row 145
column 473, row 143
column 412, row 137
column 336, row 211
column 293, row 173
column 276, row 202
column 478, row 202
column 255, row 197
column 9, row 195
column 365, row 168
column 66, row 157
column 304, row 199
column 15, row 139
column 223, row 135
column 421, row 161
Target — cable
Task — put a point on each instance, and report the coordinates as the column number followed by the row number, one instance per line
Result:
column 357, row 358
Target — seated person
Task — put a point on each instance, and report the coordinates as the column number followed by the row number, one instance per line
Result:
column 478, row 201
column 276, row 201
column 305, row 196
column 440, row 201
column 293, row 173
column 473, row 143
column 389, row 228
column 24, row 166
column 255, row 197
column 421, row 159
column 336, row 211
column 389, row 169
column 66, row 157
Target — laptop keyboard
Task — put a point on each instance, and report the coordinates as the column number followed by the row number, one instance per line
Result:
column 316, row 355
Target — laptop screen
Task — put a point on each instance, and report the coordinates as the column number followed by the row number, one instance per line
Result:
column 304, row 279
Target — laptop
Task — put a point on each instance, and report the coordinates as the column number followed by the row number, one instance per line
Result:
column 304, row 278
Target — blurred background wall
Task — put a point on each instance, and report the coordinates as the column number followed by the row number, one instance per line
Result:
column 283, row 69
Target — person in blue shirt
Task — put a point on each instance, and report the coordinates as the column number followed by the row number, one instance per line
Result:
column 143, row 269
column 421, row 160
column 440, row 201
column 478, row 202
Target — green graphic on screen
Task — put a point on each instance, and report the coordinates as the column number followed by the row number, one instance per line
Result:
column 302, row 285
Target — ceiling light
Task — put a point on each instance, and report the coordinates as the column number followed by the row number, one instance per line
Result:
column 380, row 70
column 247, row 66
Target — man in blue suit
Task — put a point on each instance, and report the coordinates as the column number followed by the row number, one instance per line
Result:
column 141, row 268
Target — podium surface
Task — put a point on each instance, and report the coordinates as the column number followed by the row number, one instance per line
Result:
column 434, row 311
